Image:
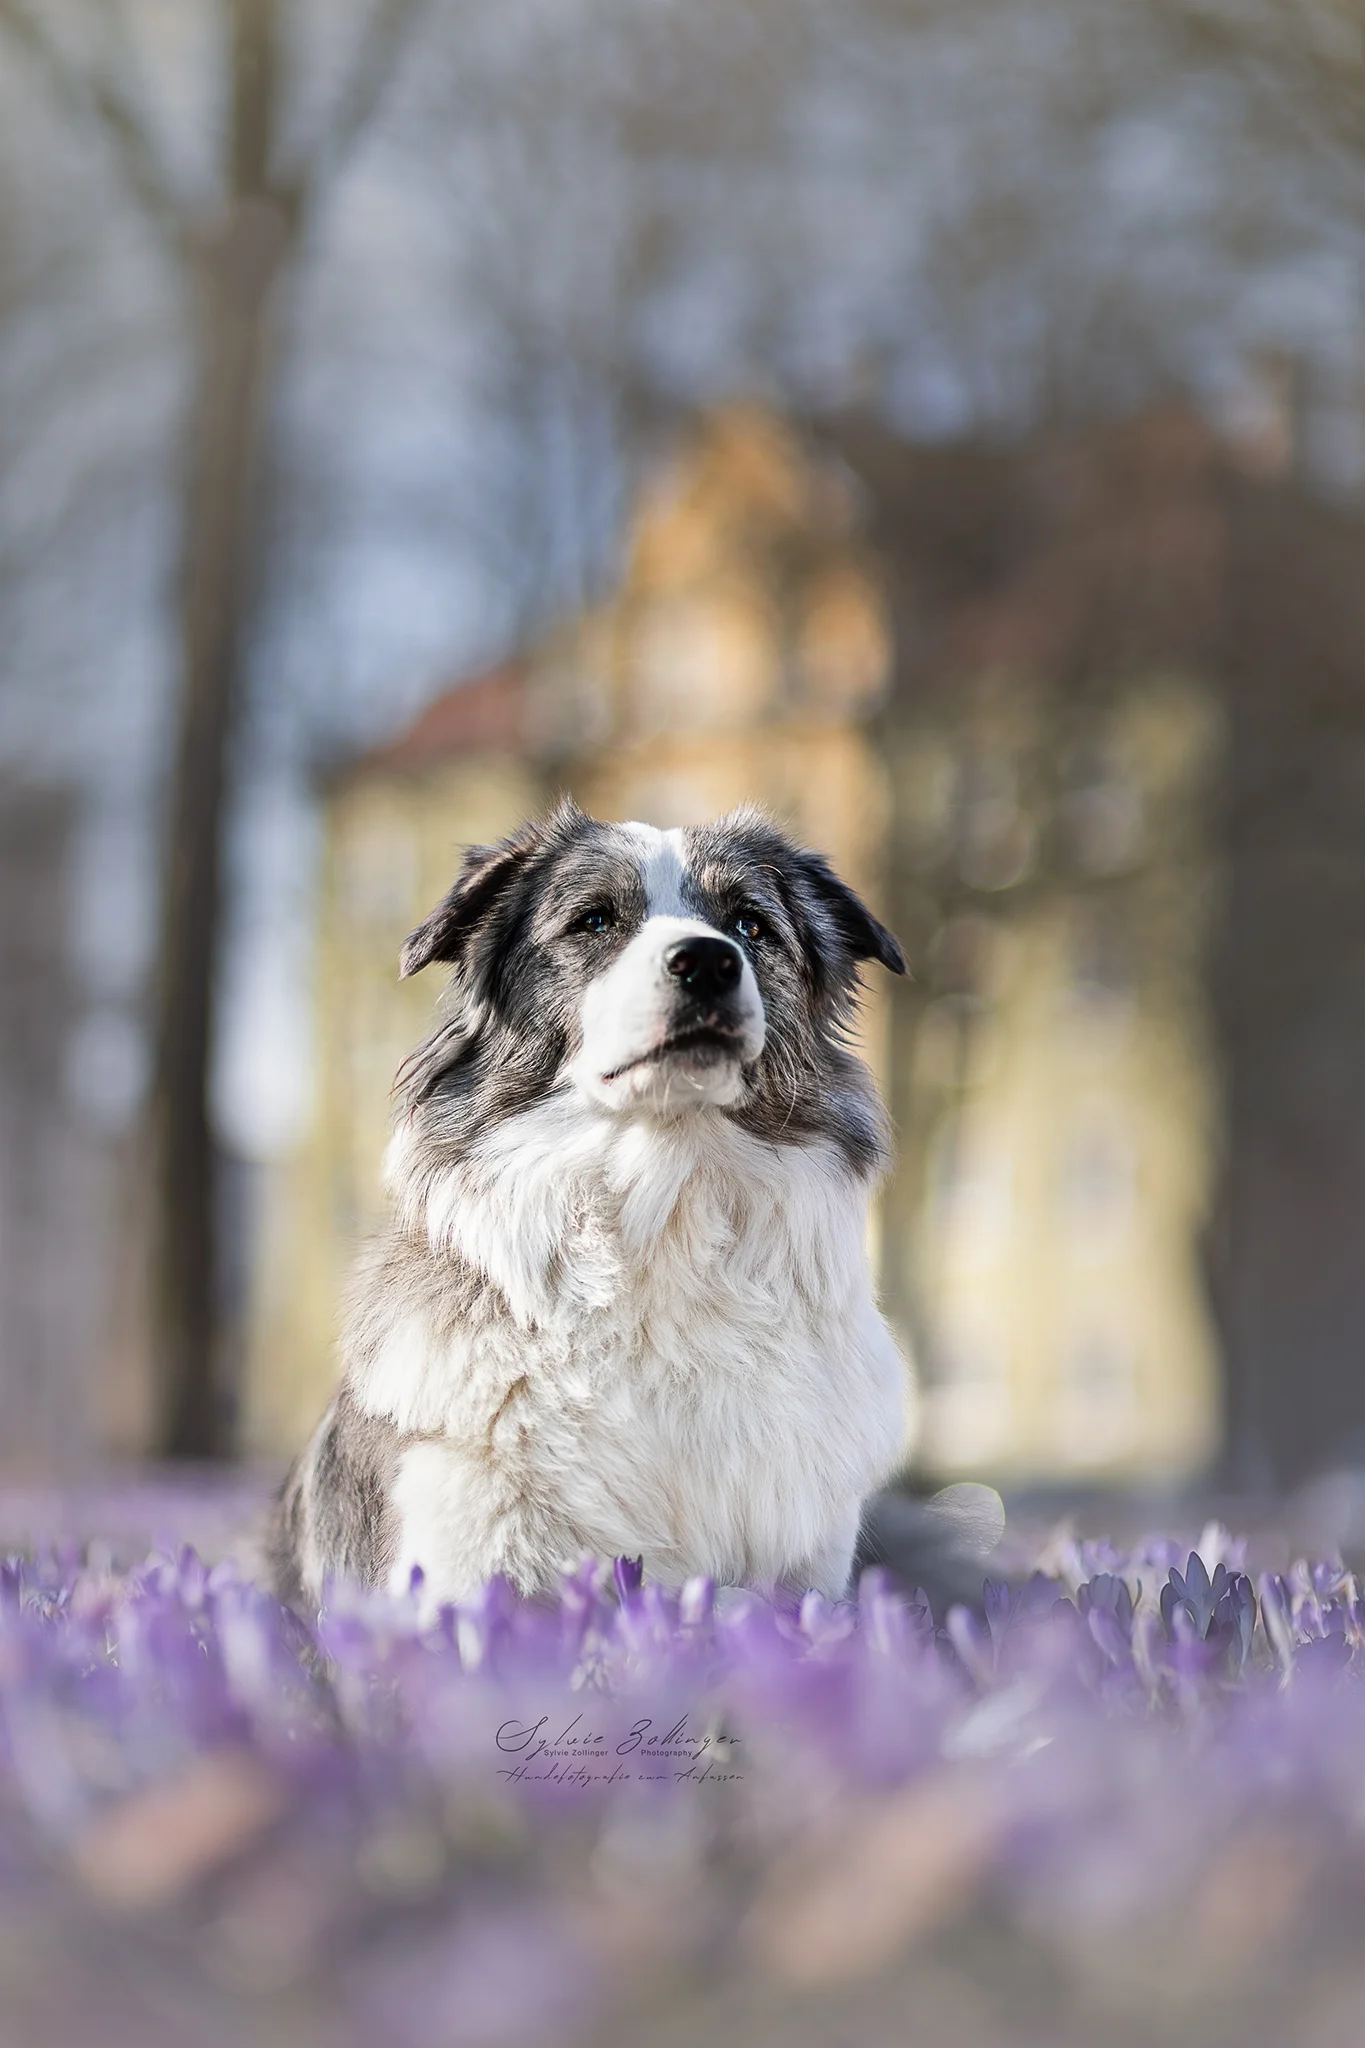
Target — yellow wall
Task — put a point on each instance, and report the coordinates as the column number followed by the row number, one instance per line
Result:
column 1069, row 1175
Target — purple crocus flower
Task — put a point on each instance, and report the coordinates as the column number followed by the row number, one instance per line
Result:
column 522, row 1810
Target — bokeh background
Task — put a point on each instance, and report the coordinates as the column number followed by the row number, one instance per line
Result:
column 944, row 424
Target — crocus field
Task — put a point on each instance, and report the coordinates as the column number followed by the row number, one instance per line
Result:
column 1126, row 1803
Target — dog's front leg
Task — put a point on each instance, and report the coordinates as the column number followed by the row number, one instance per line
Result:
column 462, row 1518
column 828, row 1568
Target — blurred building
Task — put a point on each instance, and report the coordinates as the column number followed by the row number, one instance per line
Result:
column 743, row 657
column 1054, row 740
column 1036, row 829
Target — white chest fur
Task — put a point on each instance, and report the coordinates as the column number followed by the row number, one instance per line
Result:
column 680, row 1357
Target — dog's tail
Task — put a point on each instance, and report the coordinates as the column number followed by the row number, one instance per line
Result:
column 940, row 1546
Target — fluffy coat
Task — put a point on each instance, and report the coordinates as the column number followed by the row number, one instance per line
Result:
column 624, row 1305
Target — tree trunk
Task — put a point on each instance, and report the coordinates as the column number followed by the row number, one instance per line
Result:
column 235, row 262
column 237, row 266
column 1287, row 1243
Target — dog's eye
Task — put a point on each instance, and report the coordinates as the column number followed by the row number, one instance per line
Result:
column 600, row 918
column 750, row 927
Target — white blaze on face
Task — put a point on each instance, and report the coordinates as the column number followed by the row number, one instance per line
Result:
column 632, row 1007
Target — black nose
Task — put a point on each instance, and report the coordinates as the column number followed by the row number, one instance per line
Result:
column 705, row 967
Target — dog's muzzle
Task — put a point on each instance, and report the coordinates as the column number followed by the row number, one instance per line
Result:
column 672, row 1021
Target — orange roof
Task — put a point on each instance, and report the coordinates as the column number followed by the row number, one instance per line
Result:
column 487, row 713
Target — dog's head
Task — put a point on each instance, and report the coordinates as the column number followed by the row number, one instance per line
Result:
column 657, row 973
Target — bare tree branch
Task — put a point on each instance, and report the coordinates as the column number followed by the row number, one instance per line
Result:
column 1307, row 60
column 98, row 95
column 381, row 47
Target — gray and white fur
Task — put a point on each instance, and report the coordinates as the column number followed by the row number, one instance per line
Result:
column 623, row 1305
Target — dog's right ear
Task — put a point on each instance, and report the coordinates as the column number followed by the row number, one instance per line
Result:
column 487, row 873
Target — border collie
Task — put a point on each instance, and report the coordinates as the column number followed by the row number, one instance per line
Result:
column 623, row 1305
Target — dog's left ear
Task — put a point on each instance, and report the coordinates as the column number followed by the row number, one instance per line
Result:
column 488, row 871
column 865, row 938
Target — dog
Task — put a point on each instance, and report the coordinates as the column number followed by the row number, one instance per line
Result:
column 624, row 1304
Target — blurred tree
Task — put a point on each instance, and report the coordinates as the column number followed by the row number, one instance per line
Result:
column 230, row 250
column 592, row 214
column 1303, row 59
column 1285, row 1246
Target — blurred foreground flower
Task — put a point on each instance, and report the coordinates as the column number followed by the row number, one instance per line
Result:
column 591, row 1817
